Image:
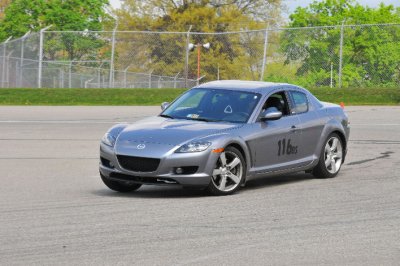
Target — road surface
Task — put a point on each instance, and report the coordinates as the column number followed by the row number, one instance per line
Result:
column 54, row 209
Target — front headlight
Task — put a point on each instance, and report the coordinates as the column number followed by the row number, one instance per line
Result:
column 195, row 146
column 108, row 139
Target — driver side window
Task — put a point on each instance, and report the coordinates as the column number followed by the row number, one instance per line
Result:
column 279, row 101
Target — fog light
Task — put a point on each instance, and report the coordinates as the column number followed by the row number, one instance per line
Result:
column 179, row 170
column 107, row 163
column 185, row 170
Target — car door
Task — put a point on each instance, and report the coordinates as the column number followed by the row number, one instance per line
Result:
column 310, row 127
column 274, row 143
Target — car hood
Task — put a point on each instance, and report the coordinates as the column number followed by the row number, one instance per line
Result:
column 171, row 132
column 157, row 136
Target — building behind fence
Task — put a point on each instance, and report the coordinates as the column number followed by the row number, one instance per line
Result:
column 331, row 56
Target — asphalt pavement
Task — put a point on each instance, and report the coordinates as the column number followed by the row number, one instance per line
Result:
column 54, row 209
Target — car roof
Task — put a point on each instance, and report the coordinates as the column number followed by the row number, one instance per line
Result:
column 252, row 86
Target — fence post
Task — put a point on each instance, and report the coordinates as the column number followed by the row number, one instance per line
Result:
column 70, row 74
column 150, row 78
column 99, row 81
column 198, row 80
column 17, row 68
column 331, row 84
column 62, row 78
column 87, row 82
column 265, row 54
column 125, row 77
column 176, row 76
column 111, row 81
column 341, row 54
column 41, row 48
column 8, row 69
column 187, row 56
column 99, row 76
column 159, row 82
column 3, row 74
column 126, row 70
column 22, row 59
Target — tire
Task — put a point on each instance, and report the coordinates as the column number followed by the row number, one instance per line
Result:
column 228, row 174
column 120, row 186
column 331, row 158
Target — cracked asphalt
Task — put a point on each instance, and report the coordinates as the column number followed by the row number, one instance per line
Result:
column 54, row 209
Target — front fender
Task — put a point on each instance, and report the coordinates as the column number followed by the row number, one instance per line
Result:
column 117, row 129
column 239, row 143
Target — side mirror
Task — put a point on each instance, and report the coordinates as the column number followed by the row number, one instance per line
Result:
column 164, row 105
column 271, row 114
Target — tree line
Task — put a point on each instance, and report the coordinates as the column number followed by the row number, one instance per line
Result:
column 370, row 55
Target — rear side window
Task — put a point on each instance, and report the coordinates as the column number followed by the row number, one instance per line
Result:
column 300, row 102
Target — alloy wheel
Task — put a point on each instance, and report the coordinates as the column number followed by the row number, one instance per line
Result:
column 228, row 172
column 333, row 155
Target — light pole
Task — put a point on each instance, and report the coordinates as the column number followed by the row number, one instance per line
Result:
column 199, row 45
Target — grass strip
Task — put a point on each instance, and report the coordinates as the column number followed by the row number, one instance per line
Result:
column 18, row 96
column 359, row 96
column 87, row 96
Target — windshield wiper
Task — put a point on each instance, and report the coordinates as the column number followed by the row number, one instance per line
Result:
column 167, row 116
column 203, row 119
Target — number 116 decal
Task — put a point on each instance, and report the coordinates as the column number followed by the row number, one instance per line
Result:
column 286, row 148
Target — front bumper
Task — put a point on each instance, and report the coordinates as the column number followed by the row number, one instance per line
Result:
column 165, row 173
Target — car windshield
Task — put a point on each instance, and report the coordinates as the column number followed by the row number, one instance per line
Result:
column 213, row 105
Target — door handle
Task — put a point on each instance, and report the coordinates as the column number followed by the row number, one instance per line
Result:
column 293, row 128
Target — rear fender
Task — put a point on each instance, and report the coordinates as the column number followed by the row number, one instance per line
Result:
column 331, row 126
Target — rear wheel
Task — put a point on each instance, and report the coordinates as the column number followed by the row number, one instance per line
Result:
column 120, row 186
column 331, row 158
column 228, row 174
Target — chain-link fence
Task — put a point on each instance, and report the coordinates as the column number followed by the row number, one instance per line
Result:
column 336, row 56
column 332, row 56
column 19, row 62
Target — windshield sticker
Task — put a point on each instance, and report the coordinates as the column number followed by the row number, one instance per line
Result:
column 228, row 110
column 193, row 116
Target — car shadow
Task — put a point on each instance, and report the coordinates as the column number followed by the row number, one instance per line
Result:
column 151, row 191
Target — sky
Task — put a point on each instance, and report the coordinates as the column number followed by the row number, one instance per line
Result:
column 292, row 4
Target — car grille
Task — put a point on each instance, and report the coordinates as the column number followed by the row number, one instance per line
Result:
column 138, row 164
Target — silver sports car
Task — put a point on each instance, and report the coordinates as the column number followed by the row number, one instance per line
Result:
column 221, row 134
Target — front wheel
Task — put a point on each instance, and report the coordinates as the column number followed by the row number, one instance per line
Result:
column 120, row 186
column 228, row 174
column 331, row 158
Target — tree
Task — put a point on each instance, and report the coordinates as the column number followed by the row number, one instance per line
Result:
column 24, row 15
column 3, row 5
column 136, row 11
column 230, row 55
column 370, row 53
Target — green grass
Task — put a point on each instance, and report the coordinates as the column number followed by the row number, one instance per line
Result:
column 359, row 96
column 87, row 96
column 353, row 96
